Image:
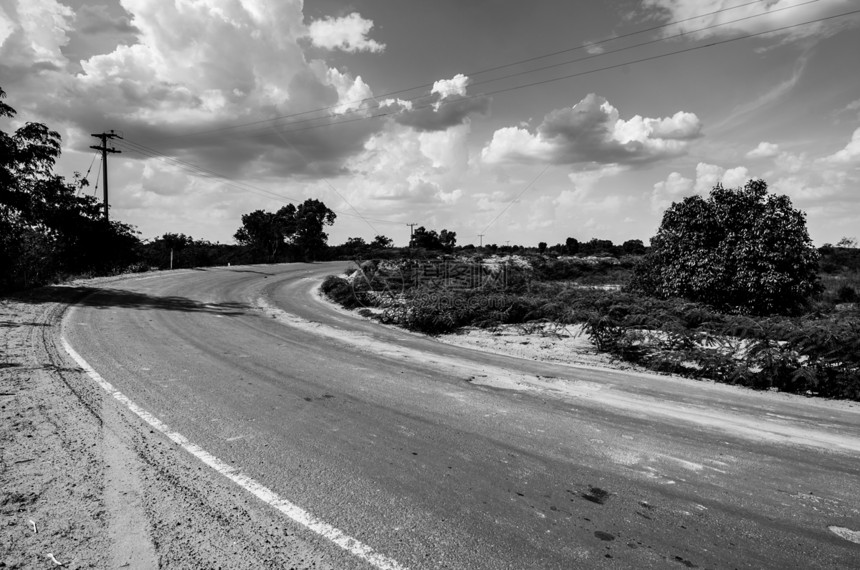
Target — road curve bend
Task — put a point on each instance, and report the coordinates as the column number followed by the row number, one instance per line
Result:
column 311, row 437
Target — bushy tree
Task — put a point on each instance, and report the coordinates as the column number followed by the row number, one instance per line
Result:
column 429, row 239
column 300, row 228
column 307, row 224
column 263, row 233
column 740, row 250
column 46, row 228
column 382, row 242
column 633, row 247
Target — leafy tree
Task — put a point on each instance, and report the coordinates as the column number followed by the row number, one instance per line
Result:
column 307, row 225
column 429, row 239
column 448, row 239
column 46, row 229
column 847, row 242
column 264, row 233
column 382, row 242
column 541, row 247
column 633, row 247
column 741, row 250
column 596, row 246
column 571, row 245
column 268, row 234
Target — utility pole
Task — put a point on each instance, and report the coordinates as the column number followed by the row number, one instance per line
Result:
column 411, row 233
column 480, row 240
column 105, row 150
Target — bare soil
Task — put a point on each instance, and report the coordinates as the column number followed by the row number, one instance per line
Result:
column 544, row 342
column 85, row 484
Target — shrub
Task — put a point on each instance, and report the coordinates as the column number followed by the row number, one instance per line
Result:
column 740, row 250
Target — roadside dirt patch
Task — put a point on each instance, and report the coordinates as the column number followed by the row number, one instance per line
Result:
column 51, row 470
column 86, row 484
column 542, row 342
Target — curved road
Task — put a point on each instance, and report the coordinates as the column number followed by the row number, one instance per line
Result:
column 435, row 456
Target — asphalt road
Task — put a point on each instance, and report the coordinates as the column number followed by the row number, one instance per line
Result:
column 440, row 457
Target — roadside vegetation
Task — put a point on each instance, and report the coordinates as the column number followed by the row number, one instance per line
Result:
column 51, row 231
column 731, row 290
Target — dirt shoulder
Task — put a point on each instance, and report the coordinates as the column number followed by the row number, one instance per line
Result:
column 84, row 483
column 543, row 342
column 52, row 466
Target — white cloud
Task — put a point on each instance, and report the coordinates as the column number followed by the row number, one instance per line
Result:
column 594, row 48
column 451, row 197
column 450, row 106
column 454, row 86
column 352, row 93
column 513, row 144
column 348, row 33
column 33, row 33
column 750, row 17
column 592, row 132
column 848, row 155
column 402, row 164
column 676, row 187
column 764, row 150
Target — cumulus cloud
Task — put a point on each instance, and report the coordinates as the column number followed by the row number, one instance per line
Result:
column 593, row 132
column 448, row 105
column 752, row 17
column 448, row 87
column 348, row 33
column 848, row 155
column 352, row 93
column 824, row 186
column 677, row 187
column 764, row 150
column 190, row 67
column 400, row 163
column 95, row 19
column 32, row 35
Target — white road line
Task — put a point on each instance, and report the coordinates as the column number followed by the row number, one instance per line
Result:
column 294, row 512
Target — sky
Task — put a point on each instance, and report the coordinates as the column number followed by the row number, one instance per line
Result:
column 501, row 120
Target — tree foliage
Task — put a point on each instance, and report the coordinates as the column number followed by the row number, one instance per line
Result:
column 740, row 250
column 429, row 239
column 46, row 228
column 290, row 232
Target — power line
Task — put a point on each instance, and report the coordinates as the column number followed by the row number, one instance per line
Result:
column 498, row 67
column 96, row 187
column 641, row 44
column 330, row 123
column 590, row 71
column 517, row 197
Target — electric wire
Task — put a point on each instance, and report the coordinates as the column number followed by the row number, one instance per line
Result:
column 98, row 175
column 328, row 122
column 85, row 176
column 586, row 72
column 495, row 68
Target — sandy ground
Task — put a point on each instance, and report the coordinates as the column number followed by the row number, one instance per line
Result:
column 51, row 508
column 544, row 342
column 85, row 484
